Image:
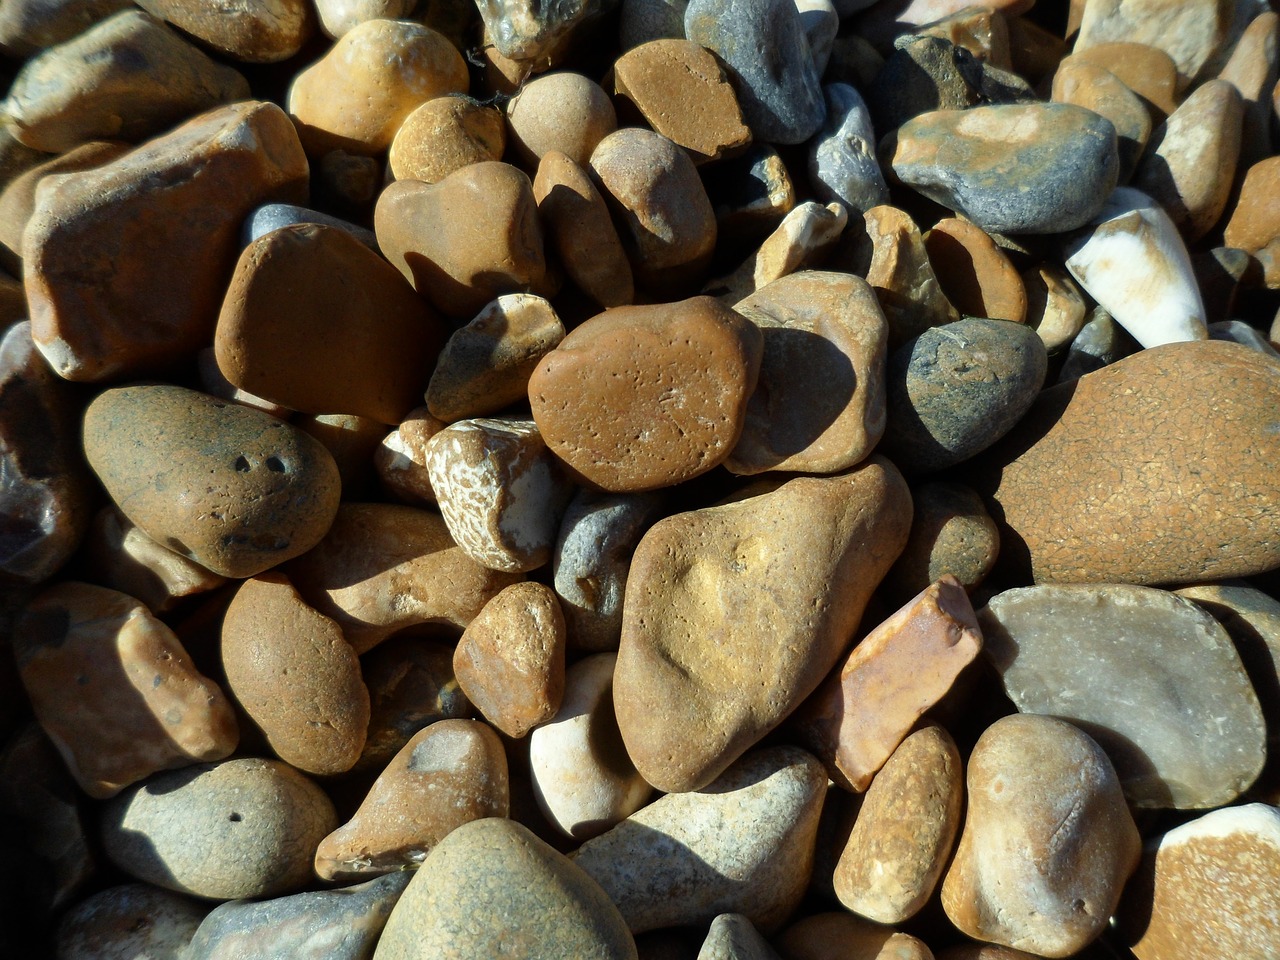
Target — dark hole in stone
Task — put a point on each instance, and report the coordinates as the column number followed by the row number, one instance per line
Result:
column 276, row 465
column 235, row 818
column 241, row 465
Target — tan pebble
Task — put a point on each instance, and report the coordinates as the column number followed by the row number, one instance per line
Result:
column 565, row 112
column 294, row 674
column 359, row 93
column 1255, row 221
column 901, row 669
column 578, row 225
column 905, row 830
column 1055, row 305
column 980, row 30
column 975, row 274
column 682, row 91
column 801, row 241
column 485, row 238
column 350, row 440
column 1146, row 70
column 443, row 135
column 510, row 660
column 265, row 31
column 1189, row 31
column 401, row 457
column 675, row 380
column 501, row 75
column 114, row 689
column 1048, row 842
column 1253, row 69
column 951, row 533
column 338, row 17
column 1096, row 88
column 842, row 936
column 450, row 773
column 384, row 567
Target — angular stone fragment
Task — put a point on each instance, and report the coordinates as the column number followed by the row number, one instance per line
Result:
column 266, row 31
column 975, row 274
column 529, row 32
column 1017, row 168
column 115, row 690
column 743, row 844
column 132, row 920
column 695, row 687
column 803, row 239
column 842, row 157
column 1190, row 31
column 1184, row 729
column 751, row 193
column 443, row 135
column 562, row 111
column 344, row 923
column 1255, row 221
column 1096, row 88
column 128, row 78
column 152, row 203
column 400, row 459
column 1048, row 842
column 448, row 774
column 733, row 937
column 492, row 883
column 951, row 533
column 982, row 31
column 840, row 935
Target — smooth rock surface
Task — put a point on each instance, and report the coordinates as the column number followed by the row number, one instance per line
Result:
column 1190, row 31
column 842, row 936
column 28, row 26
column 266, row 31
column 803, row 240
column 273, row 216
column 975, row 274
column 733, row 937
column 1096, row 88
column 443, row 135
column 561, row 111
column 530, row 33
column 400, row 459
column 128, row 921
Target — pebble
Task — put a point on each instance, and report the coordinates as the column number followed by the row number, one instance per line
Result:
column 806, row 236
column 528, row 32
column 583, row 781
column 984, row 951
column 492, row 883
column 1094, row 87
column 129, row 922
column 339, row 17
column 1208, row 889
column 1055, row 306
column 273, row 216
column 820, row 21
column 562, row 111
column 1255, row 220
column 1048, row 842
column 444, row 135
column 883, row 21
column 151, row 202
column 901, row 669
column 983, row 31
column 819, row 404
column 450, row 773
column 763, row 43
column 1136, row 487
column 842, row 936
column 1253, row 69
column 752, row 193
column 1062, row 159
column 29, row 26
column 400, row 458
column 694, row 687
column 842, row 157
column 1100, row 343
column 733, row 937
column 976, row 275
column 1189, row 31
column 955, row 390
column 241, row 828
column 1145, row 69
column 951, row 533
column 331, row 924
column 267, row 31
column 742, row 845
column 350, row 440
column 1184, row 730
column 510, row 659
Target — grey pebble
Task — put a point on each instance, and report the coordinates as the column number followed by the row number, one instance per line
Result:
column 1099, row 343
column 273, row 216
column 842, row 158
column 132, row 922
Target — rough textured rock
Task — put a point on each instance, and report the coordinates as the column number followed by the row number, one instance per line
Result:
column 267, row 31
column 564, row 112
column 842, row 157
column 443, row 135
column 951, row 533
column 133, row 920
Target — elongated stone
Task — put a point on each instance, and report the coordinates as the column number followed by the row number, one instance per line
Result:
column 264, row 32
column 131, row 920
column 803, row 239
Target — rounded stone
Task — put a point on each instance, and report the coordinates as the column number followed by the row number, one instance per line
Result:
column 1094, row 87
column 1255, row 220
column 565, row 112
column 400, row 458
column 1146, row 70
column 842, row 936
column 443, row 135
column 266, row 31
column 338, row 17
column 951, row 533
column 129, row 922
column 241, row 828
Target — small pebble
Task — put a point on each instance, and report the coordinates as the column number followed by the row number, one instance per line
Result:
column 273, row 216
column 974, row 272
column 444, row 135
column 802, row 240
column 563, row 111
column 338, row 17
column 733, row 937
column 1055, row 306
column 951, row 533
column 1094, row 87
column 842, row 157
column 528, row 32
column 1189, row 31
column 842, row 936
column 401, row 457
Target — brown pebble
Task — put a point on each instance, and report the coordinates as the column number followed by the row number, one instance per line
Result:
column 1093, row 86
column 1055, row 305
column 842, row 936
column 565, row 112
column 401, row 458
column 975, row 274
column 1255, row 221
column 1147, row 71
column 266, row 31
column 443, row 135
column 350, row 440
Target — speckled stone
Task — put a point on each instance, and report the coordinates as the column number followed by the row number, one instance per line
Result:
column 445, row 134
column 241, row 828
column 1138, row 488
column 400, row 459
column 694, row 687
column 131, row 921
column 1048, row 842
column 742, row 845
column 1184, row 730
column 803, row 240
column 975, row 274
column 266, row 31
column 1190, row 31
column 733, row 937
column 492, row 883
column 842, row 936
column 957, row 389
column 1062, row 159
column 1094, row 87
column 842, row 156
column 562, row 111
column 448, row 774
column 951, row 533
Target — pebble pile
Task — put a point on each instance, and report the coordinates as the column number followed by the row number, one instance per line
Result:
column 640, row 479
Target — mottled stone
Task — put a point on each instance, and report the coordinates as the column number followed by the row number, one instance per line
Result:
column 1048, row 842
column 733, row 937
column 241, row 828
column 400, row 458
column 135, row 920
column 951, row 533
column 803, row 240
column 265, row 31
column 531, row 32
column 1145, row 69
column 842, row 156
column 445, row 134
column 955, row 390
column 1096, row 88
column 842, row 936
column 152, row 203
column 1055, row 305
column 975, row 274
column 1184, row 729
column 563, row 111
column 448, row 774
column 743, row 844
column 694, row 687
column 1190, row 31
column 491, row 883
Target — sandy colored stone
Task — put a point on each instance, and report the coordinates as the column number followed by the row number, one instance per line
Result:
column 400, row 459
column 802, row 240
column 1255, row 220
column 445, row 134
column 902, row 668
column 694, row 687
column 842, row 936
column 295, row 675
column 151, row 203
column 1144, row 68
column 448, row 774
column 382, row 568
column 1253, row 69
column 951, row 533
column 975, row 274
column 1055, row 305
column 683, row 93
column 1094, row 87
column 563, row 111
column 484, row 239
column 265, row 31
column 818, row 406
column 1048, row 842
column 130, row 920
column 357, row 95
column 1190, row 31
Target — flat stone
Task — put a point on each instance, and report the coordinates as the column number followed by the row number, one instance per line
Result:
column 1062, row 159
column 955, row 390
column 802, row 240
column 448, row 774
column 818, row 406
column 901, row 669
column 400, row 459
column 840, row 935
column 225, row 831
column 674, row 379
column 1139, row 508
column 491, row 883
column 744, row 844
column 273, row 216
column 1184, row 730
column 357, row 95
column 29, row 26
column 445, row 134
column 733, row 937
column 1094, row 87
column 694, row 687
column 338, row 17
column 1142, row 67
column 951, row 533
column 151, row 203
column 127, row 921
column 562, row 111
column 842, row 156
column 267, row 31
column 383, row 568
column 975, row 274
column 1055, row 305
column 344, row 924
column 1190, row 31
column 583, row 781
column 1048, row 842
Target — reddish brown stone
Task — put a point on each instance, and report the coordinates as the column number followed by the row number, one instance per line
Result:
column 266, row 31
column 975, row 274
column 1146, row 70
column 1255, row 221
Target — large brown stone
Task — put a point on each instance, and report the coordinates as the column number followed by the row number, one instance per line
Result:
column 266, row 31
column 443, row 135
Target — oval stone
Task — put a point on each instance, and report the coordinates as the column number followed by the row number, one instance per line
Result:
column 127, row 922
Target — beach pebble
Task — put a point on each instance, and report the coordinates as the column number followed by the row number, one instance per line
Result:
column 951, row 533
column 842, row 936
column 129, row 922
column 1253, row 68
column 1255, row 221
column 803, row 240
column 400, row 458
column 975, row 274
column 266, row 31
column 446, row 134
column 350, row 440
column 28, row 26
column 338, row 17
column 751, row 193
column 528, row 32
column 1189, row 31
column 1055, row 305
column 842, row 156
column 1142, row 67
column 273, row 216
column 1100, row 342
column 820, row 21
column 1094, row 87
column 561, row 111
column 733, row 937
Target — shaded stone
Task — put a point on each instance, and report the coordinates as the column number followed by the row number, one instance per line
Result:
column 1184, row 730
column 215, row 384
column 842, row 936
column 400, row 458
column 643, row 20
column 28, row 26
column 951, row 533
column 842, row 156
column 267, row 31
column 350, row 181
column 273, row 216
column 350, row 440
column 1237, row 331
column 742, row 844
column 1253, row 69
column 1190, row 31
column 563, row 111
column 491, row 883
column 821, row 22
column 694, row 687
column 803, row 239
column 1255, row 221
column 982, row 31
column 443, row 135
column 975, row 274
column 751, row 193
column 733, row 937
column 124, row 922
column 1048, row 842
column 853, row 61
column 1055, row 305
column 1221, row 272
column 531, row 32
column 1100, row 342
column 1096, row 88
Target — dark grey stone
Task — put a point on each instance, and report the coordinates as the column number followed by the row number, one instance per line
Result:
column 750, row 194
column 273, row 216
column 1099, row 343
column 537, row 30
column 129, row 922
column 643, row 20
column 842, row 158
